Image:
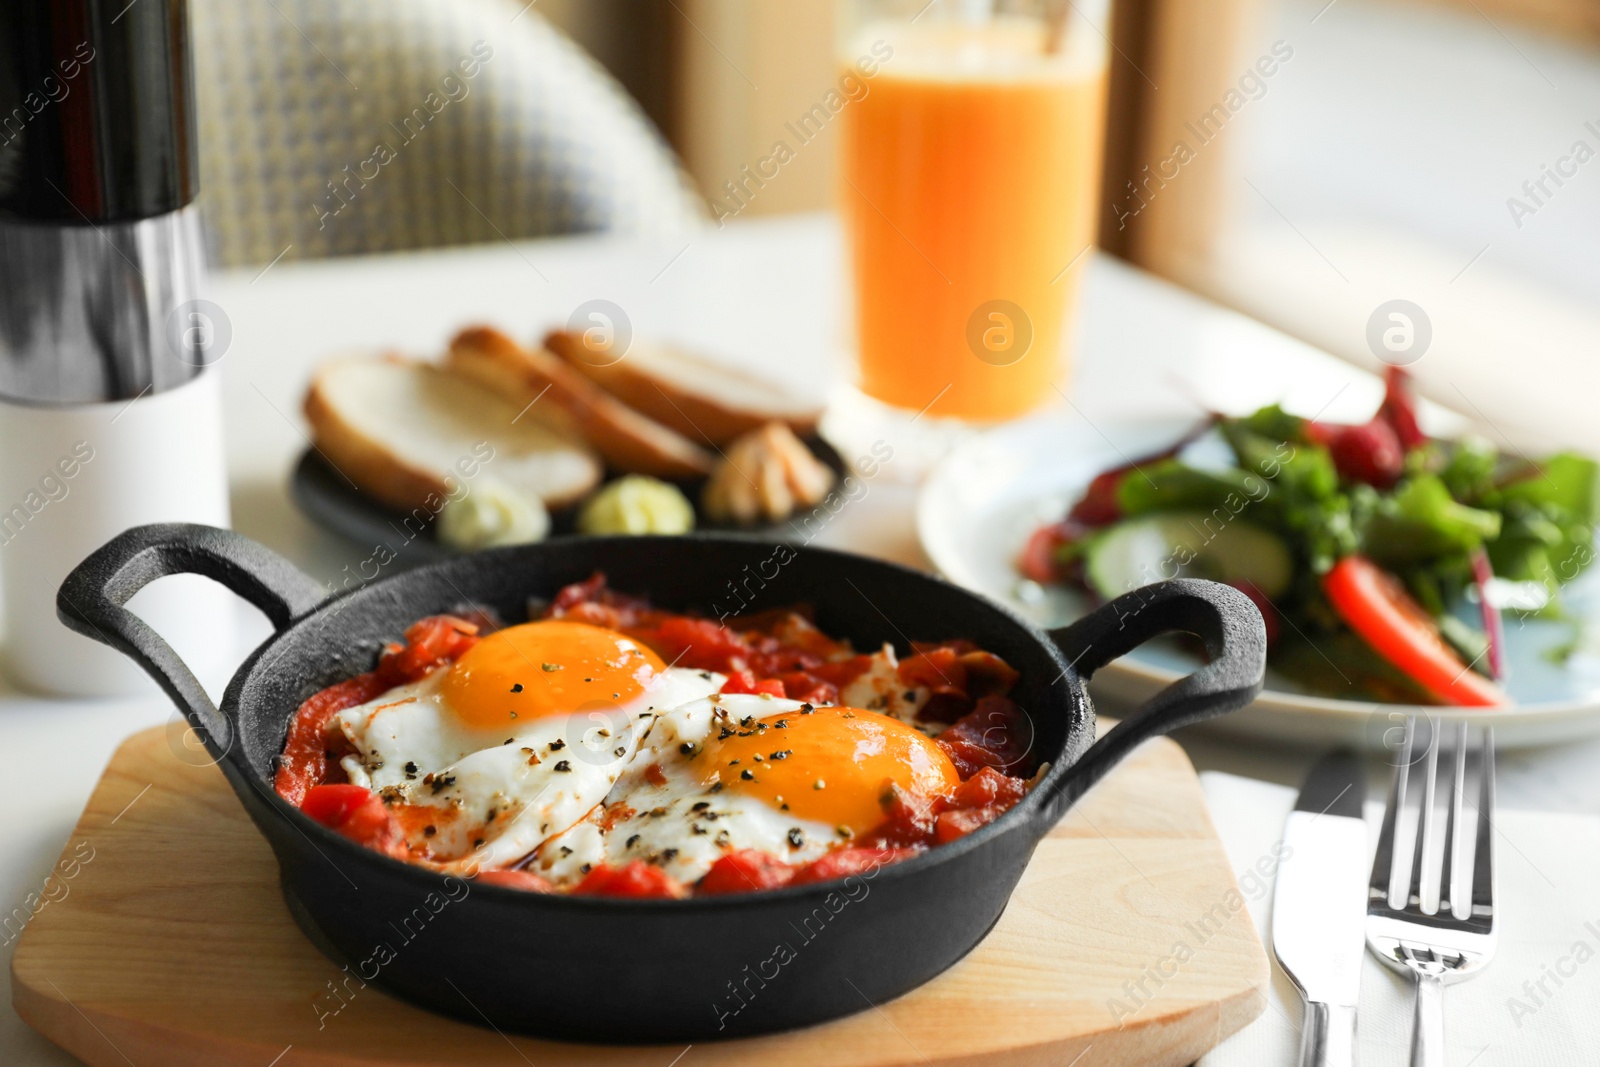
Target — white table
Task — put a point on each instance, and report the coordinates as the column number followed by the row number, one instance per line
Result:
column 766, row 292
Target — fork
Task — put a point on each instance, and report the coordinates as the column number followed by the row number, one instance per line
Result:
column 1447, row 941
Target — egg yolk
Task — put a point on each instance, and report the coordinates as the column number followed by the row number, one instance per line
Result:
column 832, row 765
column 551, row 667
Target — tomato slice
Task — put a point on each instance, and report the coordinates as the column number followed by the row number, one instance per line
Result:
column 1375, row 604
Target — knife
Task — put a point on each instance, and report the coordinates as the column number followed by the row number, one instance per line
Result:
column 1319, row 906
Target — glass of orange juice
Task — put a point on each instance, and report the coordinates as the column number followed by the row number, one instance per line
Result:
column 970, row 167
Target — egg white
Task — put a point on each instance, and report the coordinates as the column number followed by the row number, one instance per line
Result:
column 499, row 792
column 880, row 689
column 678, row 825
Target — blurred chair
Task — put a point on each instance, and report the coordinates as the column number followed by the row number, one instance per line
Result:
column 332, row 127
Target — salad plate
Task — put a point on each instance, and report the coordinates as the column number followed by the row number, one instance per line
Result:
column 983, row 502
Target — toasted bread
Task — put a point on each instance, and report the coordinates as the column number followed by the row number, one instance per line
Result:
column 569, row 402
column 700, row 399
column 409, row 434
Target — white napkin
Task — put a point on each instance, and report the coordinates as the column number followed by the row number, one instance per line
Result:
column 1547, row 903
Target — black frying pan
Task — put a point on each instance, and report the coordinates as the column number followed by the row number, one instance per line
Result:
column 613, row 970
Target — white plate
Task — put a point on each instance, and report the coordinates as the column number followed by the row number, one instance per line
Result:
column 981, row 502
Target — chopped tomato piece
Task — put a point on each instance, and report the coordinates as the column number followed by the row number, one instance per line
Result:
column 1375, row 604
column 844, row 862
column 304, row 762
column 745, row 871
column 430, row 643
column 1369, row 453
column 701, row 643
column 987, row 787
column 996, row 734
column 978, row 801
column 354, row 811
column 592, row 602
column 909, row 818
column 939, row 670
column 583, row 592
column 1399, row 408
column 956, row 674
column 933, row 668
column 745, row 682
column 841, row 672
column 986, row 674
column 1038, row 558
column 525, row 880
column 795, row 629
column 802, row 685
column 1098, row 505
column 958, row 822
column 636, row 879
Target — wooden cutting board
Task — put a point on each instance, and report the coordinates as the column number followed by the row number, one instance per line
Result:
column 166, row 941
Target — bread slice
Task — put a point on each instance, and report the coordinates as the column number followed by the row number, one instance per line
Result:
column 408, row 434
column 571, row 403
column 702, row 400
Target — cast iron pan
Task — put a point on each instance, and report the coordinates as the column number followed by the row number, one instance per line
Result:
column 595, row 969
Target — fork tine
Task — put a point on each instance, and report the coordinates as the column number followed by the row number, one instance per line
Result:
column 1454, row 837
column 1483, row 861
column 1426, row 830
column 1381, row 883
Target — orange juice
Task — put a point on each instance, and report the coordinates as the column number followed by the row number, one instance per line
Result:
column 970, row 172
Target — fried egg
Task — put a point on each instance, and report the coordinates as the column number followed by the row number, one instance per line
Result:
column 733, row 772
column 519, row 739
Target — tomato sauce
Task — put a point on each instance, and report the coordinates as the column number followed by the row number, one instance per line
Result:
column 781, row 653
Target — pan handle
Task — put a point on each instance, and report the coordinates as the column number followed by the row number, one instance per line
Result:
column 1236, row 645
column 91, row 601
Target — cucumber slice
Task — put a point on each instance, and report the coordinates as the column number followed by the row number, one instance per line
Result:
column 1183, row 544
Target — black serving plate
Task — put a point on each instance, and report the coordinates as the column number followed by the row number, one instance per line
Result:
column 328, row 499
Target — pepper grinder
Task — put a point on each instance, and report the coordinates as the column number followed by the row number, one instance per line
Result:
column 110, row 411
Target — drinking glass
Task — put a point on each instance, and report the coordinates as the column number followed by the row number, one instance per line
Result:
column 970, row 167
